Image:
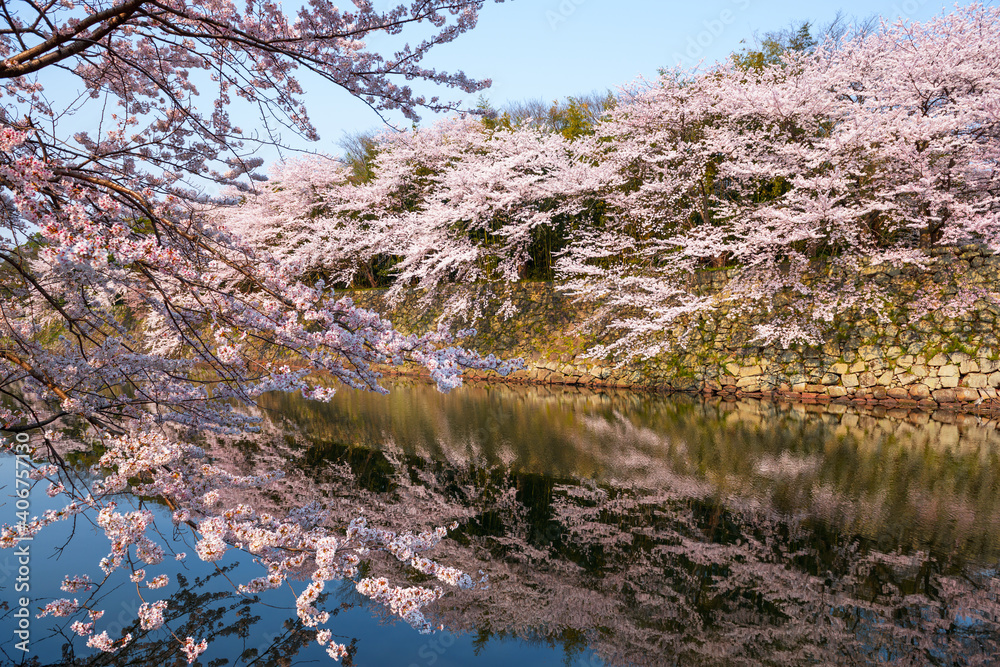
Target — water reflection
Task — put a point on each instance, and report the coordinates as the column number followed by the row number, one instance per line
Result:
column 630, row 529
column 677, row 531
column 913, row 482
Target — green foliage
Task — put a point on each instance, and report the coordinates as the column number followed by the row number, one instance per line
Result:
column 774, row 46
column 577, row 116
column 360, row 150
column 493, row 119
column 573, row 117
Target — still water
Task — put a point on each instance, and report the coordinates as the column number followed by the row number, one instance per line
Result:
column 615, row 528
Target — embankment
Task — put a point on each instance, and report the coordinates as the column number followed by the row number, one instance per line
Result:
column 914, row 356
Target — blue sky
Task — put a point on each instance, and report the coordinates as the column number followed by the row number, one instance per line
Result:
column 551, row 49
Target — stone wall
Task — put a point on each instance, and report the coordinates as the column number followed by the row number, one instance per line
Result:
column 914, row 357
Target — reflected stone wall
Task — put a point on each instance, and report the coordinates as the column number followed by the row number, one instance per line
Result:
column 930, row 351
column 927, row 479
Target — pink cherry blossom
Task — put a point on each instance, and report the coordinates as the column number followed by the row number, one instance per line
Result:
column 130, row 314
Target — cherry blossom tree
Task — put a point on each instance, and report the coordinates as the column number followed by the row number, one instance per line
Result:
column 868, row 147
column 462, row 201
column 125, row 310
column 860, row 151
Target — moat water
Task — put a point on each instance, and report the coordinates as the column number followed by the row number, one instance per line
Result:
column 615, row 528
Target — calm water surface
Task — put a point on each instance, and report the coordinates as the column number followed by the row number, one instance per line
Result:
column 615, row 528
